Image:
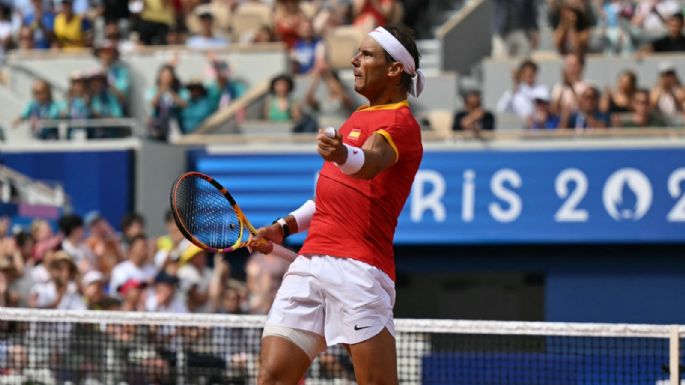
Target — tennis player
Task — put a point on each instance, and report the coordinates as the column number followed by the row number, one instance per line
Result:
column 341, row 290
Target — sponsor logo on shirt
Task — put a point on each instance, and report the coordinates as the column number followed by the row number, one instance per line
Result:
column 354, row 134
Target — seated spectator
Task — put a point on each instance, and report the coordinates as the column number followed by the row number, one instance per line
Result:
column 118, row 76
column 199, row 106
column 565, row 94
column 542, row 117
column 287, row 17
column 163, row 296
column 42, row 24
column 77, row 104
column 25, row 39
column 195, row 278
column 166, row 100
column 74, row 242
column 588, row 115
column 519, row 100
column 650, row 16
column 93, row 285
column 674, row 41
column 668, row 96
column 572, row 34
column 60, row 291
column 642, row 114
column 104, row 242
column 516, row 28
column 103, row 102
column 279, row 105
column 620, row 99
column 132, row 226
column 474, row 118
column 308, row 49
column 136, row 266
column 132, row 294
column 72, row 31
column 223, row 90
column 44, row 238
column 42, row 106
column 168, row 243
column 155, row 20
column 206, row 39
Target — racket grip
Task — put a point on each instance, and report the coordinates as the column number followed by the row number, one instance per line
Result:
column 284, row 253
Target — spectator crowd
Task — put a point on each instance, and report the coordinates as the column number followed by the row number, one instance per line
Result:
column 632, row 29
column 86, row 264
column 112, row 29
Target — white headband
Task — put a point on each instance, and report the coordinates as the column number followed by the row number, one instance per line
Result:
column 399, row 53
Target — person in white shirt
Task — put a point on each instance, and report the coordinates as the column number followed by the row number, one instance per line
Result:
column 519, row 99
column 60, row 292
column 74, row 242
column 163, row 298
column 195, row 277
column 650, row 16
column 136, row 266
column 206, row 39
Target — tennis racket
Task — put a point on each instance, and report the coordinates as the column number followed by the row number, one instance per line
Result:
column 208, row 216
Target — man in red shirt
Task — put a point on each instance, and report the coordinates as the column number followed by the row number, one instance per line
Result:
column 341, row 287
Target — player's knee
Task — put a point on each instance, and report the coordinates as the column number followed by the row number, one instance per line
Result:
column 266, row 376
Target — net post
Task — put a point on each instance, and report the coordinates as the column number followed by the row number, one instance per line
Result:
column 674, row 354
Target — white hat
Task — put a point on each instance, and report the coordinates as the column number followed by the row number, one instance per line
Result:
column 540, row 93
column 92, row 277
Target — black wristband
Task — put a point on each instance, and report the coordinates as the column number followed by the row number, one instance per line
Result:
column 284, row 227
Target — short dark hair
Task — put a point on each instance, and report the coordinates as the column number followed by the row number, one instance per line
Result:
column 678, row 16
column 168, row 216
column 130, row 219
column 68, row 223
column 285, row 77
column 528, row 63
column 136, row 238
column 406, row 38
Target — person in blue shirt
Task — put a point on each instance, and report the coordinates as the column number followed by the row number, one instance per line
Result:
column 118, row 75
column 77, row 104
column 223, row 90
column 307, row 49
column 42, row 23
column 588, row 115
column 542, row 117
column 199, row 107
column 103, row 104
column 41, row 107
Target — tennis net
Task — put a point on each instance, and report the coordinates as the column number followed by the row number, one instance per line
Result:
column 118, row 348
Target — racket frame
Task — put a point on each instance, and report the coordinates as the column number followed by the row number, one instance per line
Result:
column 242, row 219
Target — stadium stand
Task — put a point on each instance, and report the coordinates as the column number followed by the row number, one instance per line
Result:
column 67, row 181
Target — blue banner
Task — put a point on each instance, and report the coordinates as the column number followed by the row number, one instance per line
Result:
column 494, row 196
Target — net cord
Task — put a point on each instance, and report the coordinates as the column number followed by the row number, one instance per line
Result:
column 402, row 325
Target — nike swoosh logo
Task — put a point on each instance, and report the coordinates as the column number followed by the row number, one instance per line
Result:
column 360, row 327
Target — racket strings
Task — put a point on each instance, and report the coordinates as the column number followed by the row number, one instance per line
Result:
column 206, row 213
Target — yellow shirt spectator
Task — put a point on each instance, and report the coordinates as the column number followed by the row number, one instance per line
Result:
column 71, row 32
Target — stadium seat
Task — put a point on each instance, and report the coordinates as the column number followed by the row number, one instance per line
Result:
column 341, row 45
column 250, row 17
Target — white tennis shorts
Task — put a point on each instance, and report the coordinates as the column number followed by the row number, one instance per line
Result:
column 341, row 299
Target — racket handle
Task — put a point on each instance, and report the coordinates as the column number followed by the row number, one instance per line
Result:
column 284, row 253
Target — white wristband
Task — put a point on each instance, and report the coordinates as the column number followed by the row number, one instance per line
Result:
column 303, row 215
column 354, row 162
